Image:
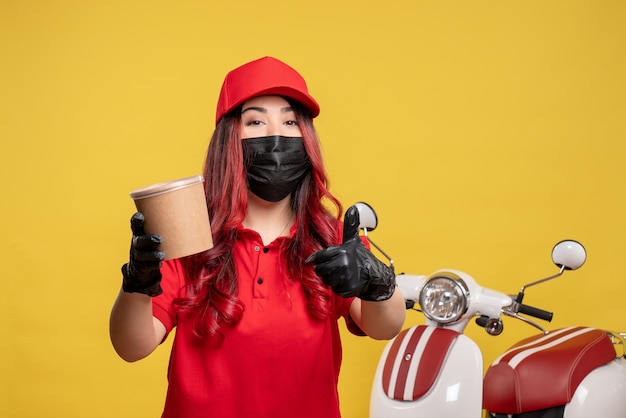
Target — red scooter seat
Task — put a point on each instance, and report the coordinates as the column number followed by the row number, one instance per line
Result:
column 544, row 371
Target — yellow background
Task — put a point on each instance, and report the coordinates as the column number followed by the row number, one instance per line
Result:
column 483, row 132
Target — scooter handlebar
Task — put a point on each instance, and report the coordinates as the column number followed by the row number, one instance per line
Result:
column 536, row 312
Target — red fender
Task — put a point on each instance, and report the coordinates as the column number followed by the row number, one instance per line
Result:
column 414, row 361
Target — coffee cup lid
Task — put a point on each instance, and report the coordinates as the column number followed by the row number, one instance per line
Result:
column 165, row 187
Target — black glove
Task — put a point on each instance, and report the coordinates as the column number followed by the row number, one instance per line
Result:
column 142, row 273
column 350, row 269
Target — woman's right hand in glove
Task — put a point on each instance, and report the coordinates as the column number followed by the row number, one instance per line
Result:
column 142, row 273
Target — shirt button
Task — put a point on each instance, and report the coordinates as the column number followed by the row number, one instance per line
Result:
column 265, row 250
column 259, row 280
column 257, row 248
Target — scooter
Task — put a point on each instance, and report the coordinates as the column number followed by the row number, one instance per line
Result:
column 436, row 371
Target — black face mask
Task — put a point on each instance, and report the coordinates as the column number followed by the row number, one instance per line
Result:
column 275, row 165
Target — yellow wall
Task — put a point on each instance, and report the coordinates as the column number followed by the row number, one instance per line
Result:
column 482, row 132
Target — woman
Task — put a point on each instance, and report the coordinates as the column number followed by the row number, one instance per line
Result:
column 256, row 316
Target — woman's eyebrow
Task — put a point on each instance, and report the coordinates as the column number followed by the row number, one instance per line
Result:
column 286, row 109
column 258, row 109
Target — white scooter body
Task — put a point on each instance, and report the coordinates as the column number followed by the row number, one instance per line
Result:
column 457, row 390
column 601, row 394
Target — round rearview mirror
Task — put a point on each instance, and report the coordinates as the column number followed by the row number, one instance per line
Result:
column 367, row 216
column 569, row 254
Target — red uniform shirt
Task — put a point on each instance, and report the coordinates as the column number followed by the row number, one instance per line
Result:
column 278, row 361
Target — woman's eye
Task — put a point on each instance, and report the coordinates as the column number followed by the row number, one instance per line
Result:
column 253, row 122
column 292, row 123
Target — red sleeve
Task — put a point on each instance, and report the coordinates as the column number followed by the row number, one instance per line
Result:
column 173, row 283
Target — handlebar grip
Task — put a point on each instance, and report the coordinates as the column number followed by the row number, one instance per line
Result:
column 536, row 312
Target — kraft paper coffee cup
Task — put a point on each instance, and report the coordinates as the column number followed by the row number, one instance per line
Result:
column 177, row 211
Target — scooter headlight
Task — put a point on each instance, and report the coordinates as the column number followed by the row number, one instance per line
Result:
column 444, row 298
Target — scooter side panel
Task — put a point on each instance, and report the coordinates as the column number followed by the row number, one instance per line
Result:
column 456, row 392
column 602, row 393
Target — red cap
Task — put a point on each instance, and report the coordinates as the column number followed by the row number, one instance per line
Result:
column 265, row 76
